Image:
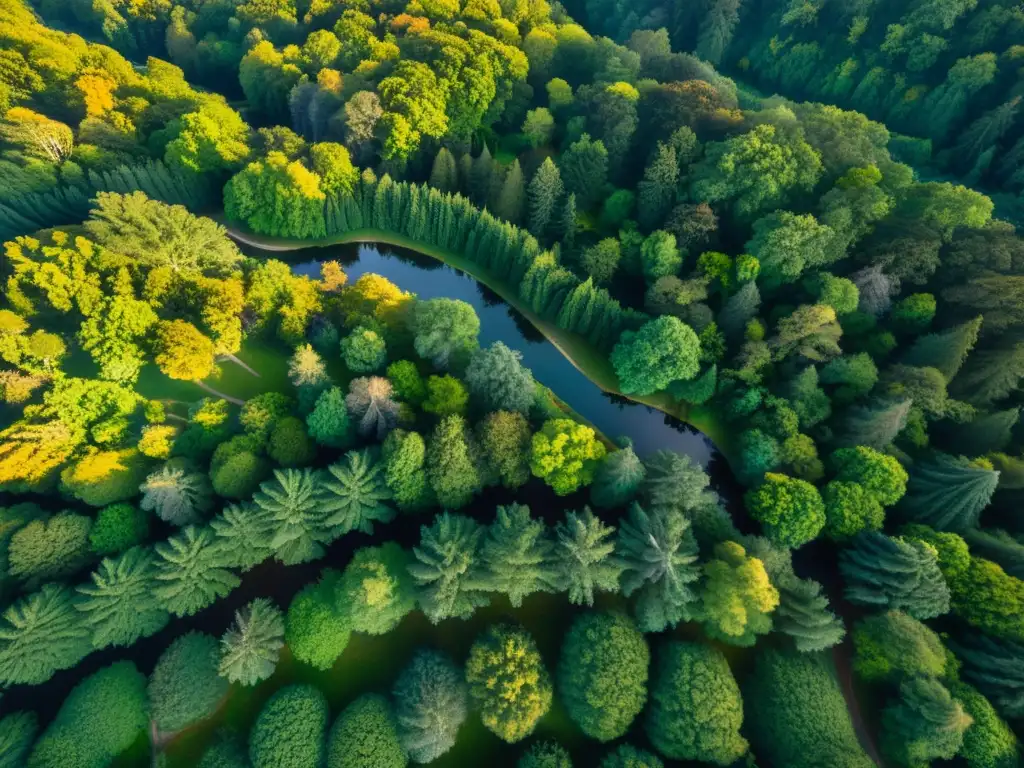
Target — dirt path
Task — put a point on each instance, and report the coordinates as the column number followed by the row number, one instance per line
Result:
column 240, row 363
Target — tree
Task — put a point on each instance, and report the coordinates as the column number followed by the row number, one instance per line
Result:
column 182, row 352
column 658, row 554
column 716, row 30
column 617, row 479
column 306, row 368
column 49, row 550
column 251, row 646
column 290, row 730
column 508, row 682
column 289, row 444
column 989, row 741
column 315, row 631
column 896, row 573
column 949, row 492
column 790, row 510
column 584, row 556
column 875, row 425
column 511, row 200
column 925, row 724
column 365, row 733
column 627, row 756
column 242, row 535
column 404, row 455
column 277, row 196
column 261, row 414
column 430, row 705
column 659, row 256
column 803, row 614
column 656, row 193
column 407, row 382
column 104, row 477
column 266, row 77
column 369, row 403
column 364, row 351
column 36, row 135
column 377, row 589
column 880, row 475
column 516, row 555
column 995, row 667
column 894, row 646
column 102, row 717
column 118, row 527
column 210, row 139
column 328, row 423
column 738, row 310
column 446, row 396
column 661, row 352
column 584, row 169
column 452, row 463
column 505, row 441
column 850, row 509
column 565, row 454
column 444, row 176
column 17, row 734
column 297, row 522
column 696, row 711
column 227, row 751
column 447, row 568
column 738, row 597
column 333, row 164
column 445, row 331
column 190, row 571
column 538, row 127
column 945, row 351
column 353, row 495
column 602, row 674
column 185, row 687
column 601, row 261
column 542, row 195
column 41, row 634
column 545, row 754
column 177, row 497
column 499, row 381
column 119, row 605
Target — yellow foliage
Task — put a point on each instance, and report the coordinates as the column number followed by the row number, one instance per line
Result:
column 97, row 93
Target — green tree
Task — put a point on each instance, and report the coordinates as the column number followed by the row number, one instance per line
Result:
column 508, row 682
column 446, row 396
column 407, row 382
column 995, row 667
column 803, row 614
column 353, row 495
column 602, row 674
column 738, row 597
column 17, row 734
column 377, row 589
column 949, row 492
column 895, row 573
column 447, row 568
column 328, row 423
column 431, row 704
column 277, row 196
column 185, row 687
column 49, row 550
column 659, row 256
column 176, row 496
column 291, row 729
column 925, row 724
column 251, row 646
column 545, row 754
column 119, row 605
column 617, row 479
column 333, row 164
column 538, row 127
column 445, row 331
column 499, row 381
column 505, row 441
column 565, row 455
column 364, row 351
column 452, row 463
column 696, row 711
column 601, row 260
column 790, row 510
column 627, row 756
column 41, row 634
column 988, row 742
column 893, row 646
column 656, row 193
column 516, row 555
column 511, row 201
column 404, row 456
column 542, row 195
column 190, row 571
column 584, row 168
column 584, row 555
column 365, row 733
column 947, row 350
column 877, row 473
column 242, row 536
column 850, row 509
column 314, row 629
column 661, row 352
column 212, row 138
column 289, row 444
column 290, row 504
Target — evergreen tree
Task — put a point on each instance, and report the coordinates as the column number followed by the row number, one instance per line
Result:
column 925, row 724
column 512, row 197
column 517, row 555
column 251, row 646
column 404, row 456
column 658, row 555
column 875, row 425
column 584, row 169
column 990, row 375
column 452, row 463
column 290, row 505
column 17, row 734
column 543, row 194
column 945, row 351
column 481, row 177
column 119, row 605
column 584, row 555
column 41, row 634
column 431, row 703
column 996, row 667
column 328, row 423
column 176, row 496
column 242, row 536
column 499, row 381
column 191, row 573
column 803, row 614
column 738, row 310
column 657, row 191
column 949, row 492
column 448, row 568
column 618, row 478
column 895, row 573
column 984, row 134
column 353, row 495
column 444, row 176
column 986, row 432
column 567, row 226
column 675, row 480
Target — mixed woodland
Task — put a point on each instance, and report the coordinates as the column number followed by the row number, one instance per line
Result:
column 829, row 280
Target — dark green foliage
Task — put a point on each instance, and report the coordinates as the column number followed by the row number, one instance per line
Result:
column 986, row 432
column 996, row 668
column 617, row 479
column 191, row 572
column 227, row 751
column 262, row 412
column 948, row 492
column 675, row 480
column 250, row 647
column 517, row 555
column 897, row 573
column 99, row 719
column 893, row 645
column 430, row 705
column 804, row 615
column 407, row 382
column 602, row 674
column 696, row 710
column 48, row 550
column 41, row 634
column 328, row 422
column 545, row 754
column 315, row 630
column 925, row 724
column 118, row 528
column 945, row 351
column 289, row 444
column 784, row 729
column 290, row 730
column 498, row 381
column 445, row 331
column 505, row 441
column 291, row 506
column 17, row 733
column 242, row 535
column 185, row 686
column 875, row 425
column 447, row 568
column 542, row 195
column 364, row 351
column 626, row 756
column 365, row 734
column 176, row 495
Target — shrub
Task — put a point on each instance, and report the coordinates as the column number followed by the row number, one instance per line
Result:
column 185, row 686
column 118, row 528
column 365, row 735
column 315, row 631
column 602, row 674
column 289, row 731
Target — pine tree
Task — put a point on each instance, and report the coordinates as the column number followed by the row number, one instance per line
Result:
column 444, row 176
column 251, row 646
column 543, row 194
column 675, row 480
column 945, row 351
column 41, row 634
column 353, row 495
column 176, row 496
column 996, row 667
column 875, row 425
column 517, row 555
column 990, row 375
column 999, row 547
column 242, row 536
column 584, row 554
column 657, row 191
column 512, row 197
column 290, row 505
column 948, row 492
column 986, row 432
column 894, row 573
column 584, row 168
column 658, row 554
column 191, row 572
column 481, row 177
column 448, row 568
column 984, row 134
column 119, row 605
column 925, row 724
column 567, row 224
column 716, row 30
column 804, row 615
column 618, row 478
column 738, row 310
column 431, row 703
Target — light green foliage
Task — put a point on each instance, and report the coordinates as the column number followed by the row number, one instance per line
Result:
column 445, row 331
column 850, row 509
column 291, row 506
column 185, row 687
column 989, row 742
column 659, row 256
column 453, row 463
column 119, row 605
column 333, row 164
column 790, row 510
column 925, row 724
column 242, row 536
column 315, row 631
column 837, row 292
column 430, row 705
column 364, row 351
column 626, row 756
column 41, row 634
column 261, row 413
column 508, row 682
column 893, row 645
column 105, row 477
column 365, row 734
column 376, row 589
column 658, row 554
column 446, row 396
column 565, row 455
column 407, row 382
column 289, row 444
column 661, row 352
column 880, row 475
column 696, row 710
column 353, row 495
column 212, row 138
column 949, row 492
column 542, row 195
column 914, row 313
column 447, row 567
column 190, row 572
column 538, row 127
column 498, row 381
column 901, row 574
column 602, row 674
column 738, row 597
column 175, row 495
column 403, row 455
column 601, row 260
column 250, row 648
column 505, row 441
column 328, row 423
column 17, row 733
column 617, row 479
column 291, row 730
column 277, row 196
column 100, row 718
column 584, row 556
column 517, row 555
column 49, row 550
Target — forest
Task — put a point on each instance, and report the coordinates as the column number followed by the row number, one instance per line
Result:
column 254, row 516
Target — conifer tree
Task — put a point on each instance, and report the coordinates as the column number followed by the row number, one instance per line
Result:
column 448, row 568
column 875, row 425
column 738, row 310
column 584, row 554
column 949, row 492
column 119, row 605
column 17, row 734
column 945, row 351
column 894, row 573
column 242, row 536
column 566, row 227
column 453, row 463
column 354, row 495
column 444, row 176
column 584, row 169
column 404, row 456
column 290, row 505
column 989, row 375
column 190, row 572
column 986, row 432
column 517, row 555
column 481, row 177
column 657, row 191
column 996, row 667
column 431, row 703
column 618, row 478
column 925, row 724
column 543, row 194
column 512, row 197
column 675, row 480
column 251, row 646
column 176, row 496
column 41, row 634
column 803, row 614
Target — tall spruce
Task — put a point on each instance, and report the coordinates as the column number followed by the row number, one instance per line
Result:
column 511, row 200
column 996, row 667
column 894, row 573
column 804, row 615
column 444, row 176
column 948, row 493
column 945, row 351
column 517, row 555
column 543, row 195
column 447, row 569
column 657, row 191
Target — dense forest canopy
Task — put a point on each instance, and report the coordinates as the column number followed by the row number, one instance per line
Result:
column 828, row 280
